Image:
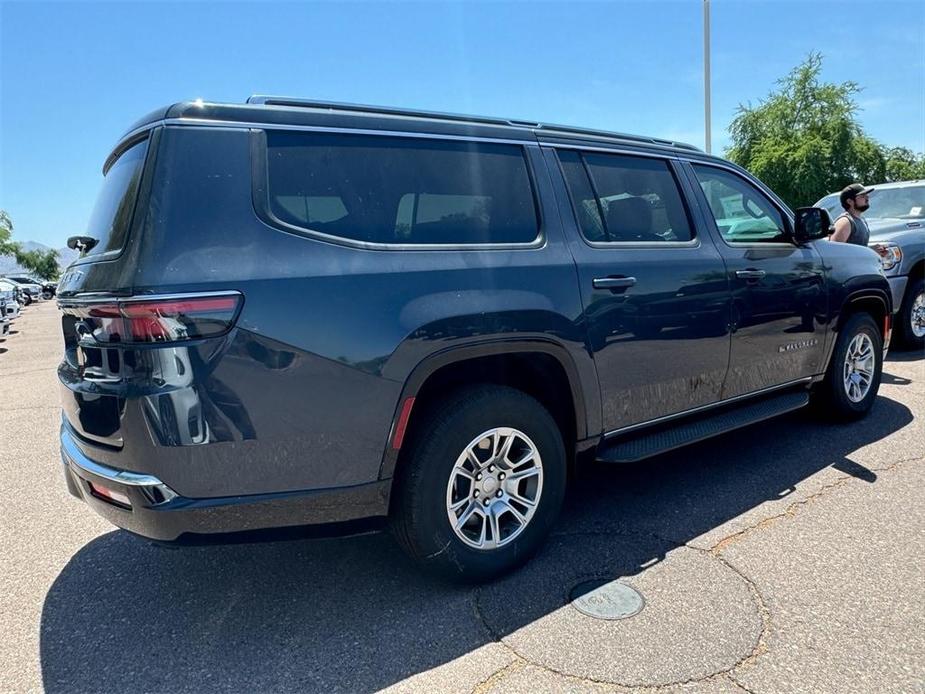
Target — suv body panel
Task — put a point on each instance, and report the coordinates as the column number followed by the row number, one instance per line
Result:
column 302, row 396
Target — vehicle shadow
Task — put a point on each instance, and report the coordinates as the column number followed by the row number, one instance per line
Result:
column 354, row 615
column 904, row 355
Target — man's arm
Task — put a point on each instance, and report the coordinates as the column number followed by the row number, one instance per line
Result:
column 842, row 230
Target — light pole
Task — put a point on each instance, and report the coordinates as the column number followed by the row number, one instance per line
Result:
column 706, row 73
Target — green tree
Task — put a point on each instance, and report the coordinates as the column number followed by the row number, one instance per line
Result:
column 7, row 245
column 43, row 264
column 903, row 164
column 804, row 139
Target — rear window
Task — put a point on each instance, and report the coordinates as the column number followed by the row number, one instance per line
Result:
column 112, row 214
column 393, row 190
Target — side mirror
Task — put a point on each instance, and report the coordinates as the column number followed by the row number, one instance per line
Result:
column 811, row 223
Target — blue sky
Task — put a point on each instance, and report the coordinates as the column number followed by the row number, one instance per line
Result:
column 74, row 75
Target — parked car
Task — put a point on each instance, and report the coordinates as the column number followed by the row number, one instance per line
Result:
column 897, row 226
column 470, row 303
column 12, row 288
column 31, row 289
column 4, row 320
column 49, row 289
column 10, row 306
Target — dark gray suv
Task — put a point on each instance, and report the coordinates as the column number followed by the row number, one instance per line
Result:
column 293, row 313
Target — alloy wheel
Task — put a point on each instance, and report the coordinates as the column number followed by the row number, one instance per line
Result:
column 858, row 370
column 494, row 488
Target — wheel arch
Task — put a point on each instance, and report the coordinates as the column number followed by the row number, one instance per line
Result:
column 515, row 363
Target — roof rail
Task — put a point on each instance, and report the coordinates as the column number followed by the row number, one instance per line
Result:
column 295, row 102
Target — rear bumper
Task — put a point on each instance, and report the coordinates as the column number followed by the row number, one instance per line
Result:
column 158, row 513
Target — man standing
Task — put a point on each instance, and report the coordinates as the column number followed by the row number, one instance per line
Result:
column 850, row 227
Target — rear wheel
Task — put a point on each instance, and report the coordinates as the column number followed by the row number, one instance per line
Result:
column 910, row 322
column 853, row 379
column 482, row 486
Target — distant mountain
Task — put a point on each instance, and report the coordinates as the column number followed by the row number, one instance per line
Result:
column 9, row 266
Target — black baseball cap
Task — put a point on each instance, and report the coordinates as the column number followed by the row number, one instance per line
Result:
column 851, row 192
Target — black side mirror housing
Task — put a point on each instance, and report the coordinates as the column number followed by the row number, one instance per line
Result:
column 810, row 224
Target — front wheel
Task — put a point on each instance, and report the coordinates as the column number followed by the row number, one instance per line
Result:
column 482, row 485
column 853, row 379
column 910, row 322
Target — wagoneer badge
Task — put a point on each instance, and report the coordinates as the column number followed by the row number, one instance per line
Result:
column 802, row 344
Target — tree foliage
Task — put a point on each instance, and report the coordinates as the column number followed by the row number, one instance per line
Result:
column 7, row 245
column 42, row 264
column 903, row 164
column 804, row 139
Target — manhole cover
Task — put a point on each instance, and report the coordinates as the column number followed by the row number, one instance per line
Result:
column 606, row 599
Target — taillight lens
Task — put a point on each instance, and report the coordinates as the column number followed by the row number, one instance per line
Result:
column 157, row 320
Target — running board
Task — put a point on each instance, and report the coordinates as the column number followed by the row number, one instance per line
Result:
column 639, row 445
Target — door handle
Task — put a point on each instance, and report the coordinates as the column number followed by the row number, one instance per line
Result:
column 750, row 274
column 614, row 282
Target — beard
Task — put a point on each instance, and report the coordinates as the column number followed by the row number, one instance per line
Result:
column 862, row 208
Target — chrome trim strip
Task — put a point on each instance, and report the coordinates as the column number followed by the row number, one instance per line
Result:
column 666, row 156
column 132, row 479
column 670, row 417
column 249, row 125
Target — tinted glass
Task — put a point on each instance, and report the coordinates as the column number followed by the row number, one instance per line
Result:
column 112, row 214
column 638, row 198
column 742, row 212
column 401, row 190
column 587, row 208
column 830, row 204
column 900, row 203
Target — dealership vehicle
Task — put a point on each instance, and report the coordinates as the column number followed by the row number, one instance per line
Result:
column 13, row 291
column 31, row 289
column 896, row 219
column 470, row 303
column 11, row 307
column 4, row 320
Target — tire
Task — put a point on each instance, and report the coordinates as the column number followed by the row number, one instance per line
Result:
column 839, row 400
column 911, row 310
column 26, row 299
column 438, row 474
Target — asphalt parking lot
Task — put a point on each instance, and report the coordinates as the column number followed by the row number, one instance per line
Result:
column 787, row 557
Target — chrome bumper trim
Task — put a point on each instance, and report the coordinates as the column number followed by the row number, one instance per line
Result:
column 73, row 455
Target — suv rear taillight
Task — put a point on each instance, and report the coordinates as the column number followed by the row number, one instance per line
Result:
column 155, row 319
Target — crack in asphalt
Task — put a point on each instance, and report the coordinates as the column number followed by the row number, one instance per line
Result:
column 29, row 371
column 30, row 409
column 792, row 510
column 759, row 649
column 493, row 679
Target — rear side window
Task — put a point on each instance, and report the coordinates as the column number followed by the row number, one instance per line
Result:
column 625, row 199
column 112, row 213
column 393, row 190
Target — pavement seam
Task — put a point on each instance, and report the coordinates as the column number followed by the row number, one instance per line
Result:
column 29, row 371
column 792, row 510
column 739, row 685
column 495, row 678
column 30, row 409
column 758, row 649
